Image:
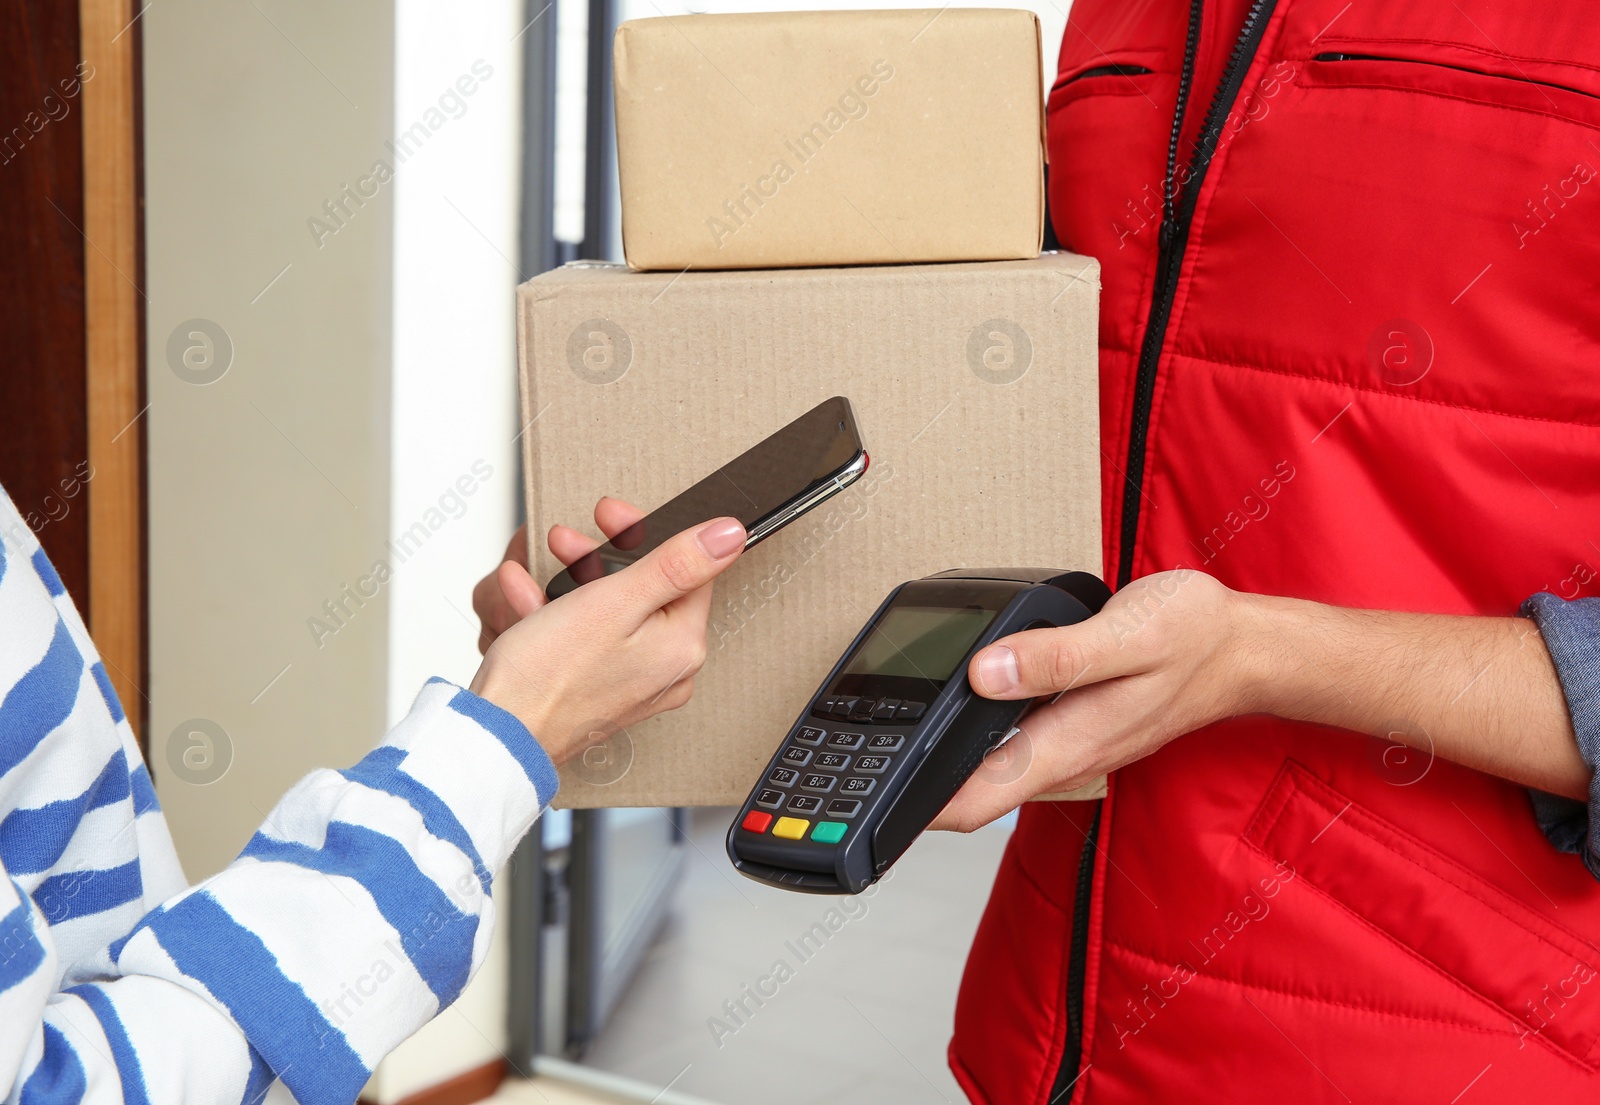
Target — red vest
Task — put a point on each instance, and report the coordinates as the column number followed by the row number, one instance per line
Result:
column 1358, row 367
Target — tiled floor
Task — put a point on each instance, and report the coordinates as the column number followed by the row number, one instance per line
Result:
column 861, row 1014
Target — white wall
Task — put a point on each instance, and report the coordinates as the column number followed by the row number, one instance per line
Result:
column 454, row 402
column 268, row 488
column 453, row 416
column 371, row 391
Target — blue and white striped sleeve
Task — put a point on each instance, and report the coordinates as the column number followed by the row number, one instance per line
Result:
column 357, row 912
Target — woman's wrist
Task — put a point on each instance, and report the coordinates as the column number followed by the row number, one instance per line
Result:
column 493, row 683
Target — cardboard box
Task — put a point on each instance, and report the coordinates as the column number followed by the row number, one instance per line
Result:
column 975, row 387
column 830, row 138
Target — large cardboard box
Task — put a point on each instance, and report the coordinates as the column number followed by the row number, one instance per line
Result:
column 829, row 138
column 975, row 387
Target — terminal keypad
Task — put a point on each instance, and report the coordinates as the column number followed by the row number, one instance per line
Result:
column 847, row 760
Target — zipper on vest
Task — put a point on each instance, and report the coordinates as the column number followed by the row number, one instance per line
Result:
column 1334, row 55
column 1176, row 214
column 1175, row 219
column 1067, row 1074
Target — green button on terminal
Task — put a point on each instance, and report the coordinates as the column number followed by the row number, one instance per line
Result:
column 829, row 832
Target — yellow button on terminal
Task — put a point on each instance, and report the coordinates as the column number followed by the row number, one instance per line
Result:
column 791, row 828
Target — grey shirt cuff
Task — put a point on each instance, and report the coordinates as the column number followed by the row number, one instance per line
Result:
column 1571, row 632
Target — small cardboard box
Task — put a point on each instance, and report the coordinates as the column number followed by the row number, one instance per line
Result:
column 830, row 138
column 975, row 387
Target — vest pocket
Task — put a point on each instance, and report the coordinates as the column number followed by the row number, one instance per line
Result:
column 1116, row 70
column 1392, row 59
column 1562, row 92
column 1545, row 979
column 1105, row 77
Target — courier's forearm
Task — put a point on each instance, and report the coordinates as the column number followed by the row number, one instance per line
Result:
column 1483, row 690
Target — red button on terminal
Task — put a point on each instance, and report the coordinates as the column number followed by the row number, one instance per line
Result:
column 756, row 822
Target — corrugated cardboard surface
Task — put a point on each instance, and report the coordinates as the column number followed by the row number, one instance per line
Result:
column 829, row 138
column 975, row 386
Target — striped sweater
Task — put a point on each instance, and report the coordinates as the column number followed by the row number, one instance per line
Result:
column 355, row 914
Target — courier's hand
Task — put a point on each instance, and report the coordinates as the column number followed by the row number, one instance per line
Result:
column 615, row 651
column 1162, row 659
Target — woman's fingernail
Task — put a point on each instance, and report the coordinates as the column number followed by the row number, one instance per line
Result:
column 721, row 538
column 997, row 670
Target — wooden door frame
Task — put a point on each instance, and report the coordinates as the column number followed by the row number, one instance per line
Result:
column 113, row 193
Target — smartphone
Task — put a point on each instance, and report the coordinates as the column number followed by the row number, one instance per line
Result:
column 807, row 462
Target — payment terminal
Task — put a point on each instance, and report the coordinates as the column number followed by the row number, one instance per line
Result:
column 895, row 729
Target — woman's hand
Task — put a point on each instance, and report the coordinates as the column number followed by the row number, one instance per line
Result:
column 1162, row 659
column 508, row 594
column 610, row 654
